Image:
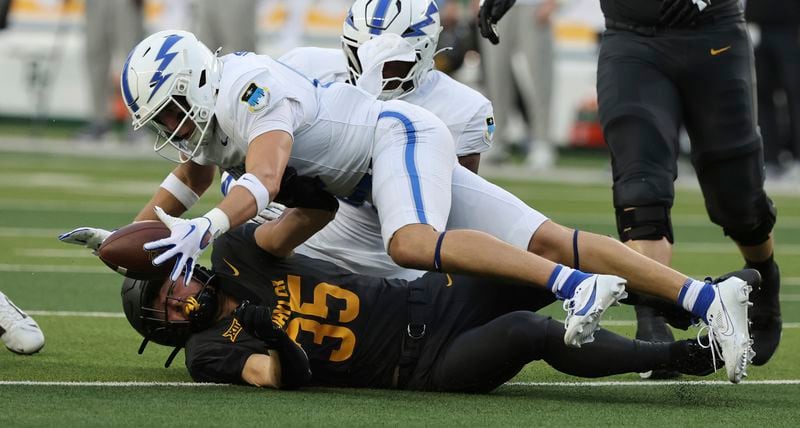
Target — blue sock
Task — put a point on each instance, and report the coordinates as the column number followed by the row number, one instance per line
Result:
column 564, row 280
column 696, row 297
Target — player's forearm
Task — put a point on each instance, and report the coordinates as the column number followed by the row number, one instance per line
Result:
column 179, row 190
column 163, row 199
column 281, row 236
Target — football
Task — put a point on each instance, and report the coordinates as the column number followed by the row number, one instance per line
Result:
column 123, row 250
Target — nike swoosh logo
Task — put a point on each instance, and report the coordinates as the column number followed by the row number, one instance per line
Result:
column 449, row 280
column 233, row 268
column 224, row 142
column 724, row 329
column 715, row 52
column 190, row 231
column 590, row 303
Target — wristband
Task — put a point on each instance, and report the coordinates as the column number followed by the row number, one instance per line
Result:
column 256, row 188
column 220, row 223
column 183, row 193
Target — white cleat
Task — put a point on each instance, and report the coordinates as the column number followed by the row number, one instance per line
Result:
column 18, row 331
column 592, row 297
column 728, row 327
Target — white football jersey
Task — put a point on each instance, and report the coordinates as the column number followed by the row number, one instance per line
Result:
column 466, row 112
column 258, row 94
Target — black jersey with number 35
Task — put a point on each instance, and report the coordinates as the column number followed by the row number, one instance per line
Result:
column 349, row 325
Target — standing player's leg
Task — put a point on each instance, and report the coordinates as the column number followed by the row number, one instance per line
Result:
column 727, row 154
column 640, row 110
column 485, row 357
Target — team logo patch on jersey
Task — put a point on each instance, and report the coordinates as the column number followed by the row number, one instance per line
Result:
column 256, row 97
column 233, row 331
column 489, row 134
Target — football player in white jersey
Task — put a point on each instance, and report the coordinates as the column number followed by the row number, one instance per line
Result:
column 257, row 118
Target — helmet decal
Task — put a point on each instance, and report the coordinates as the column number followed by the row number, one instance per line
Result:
column 164, row 57
column 378, row 23
column 416, row 29
column 349, row 19
column 126, row 89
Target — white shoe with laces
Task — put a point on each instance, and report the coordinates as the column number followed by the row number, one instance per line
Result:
column 18, row 331
column 728, row 327
column 592, row 297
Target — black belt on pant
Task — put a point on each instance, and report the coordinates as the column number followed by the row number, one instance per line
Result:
column 651, row 30
column 416, row 330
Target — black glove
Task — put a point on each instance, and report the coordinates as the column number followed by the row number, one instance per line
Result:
column 489, row 14
column 681, row 13
column 257, row 321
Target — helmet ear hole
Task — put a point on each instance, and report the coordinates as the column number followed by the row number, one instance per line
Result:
column 181, row 87
column 202, row 79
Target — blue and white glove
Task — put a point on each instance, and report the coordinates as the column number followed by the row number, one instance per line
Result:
column 89, row 237
column 188, row 239
column 681, row 13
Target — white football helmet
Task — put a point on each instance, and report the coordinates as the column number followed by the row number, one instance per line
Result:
column 172, row 67
column 417, row 21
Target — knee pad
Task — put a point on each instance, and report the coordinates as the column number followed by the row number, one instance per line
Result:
column 733, row 186
column 644, row 223
column 643, row 163
column 751, row 235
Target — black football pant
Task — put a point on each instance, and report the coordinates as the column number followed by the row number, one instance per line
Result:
column 483, row 358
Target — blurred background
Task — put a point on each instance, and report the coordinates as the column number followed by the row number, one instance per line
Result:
column 60, row 59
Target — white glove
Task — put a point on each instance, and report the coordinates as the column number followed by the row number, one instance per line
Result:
column 271, row 212
column 90, row 237
column 187, row 241
column 376, row 52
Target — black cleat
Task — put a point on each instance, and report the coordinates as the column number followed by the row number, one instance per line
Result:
column 690, row 358
column 651, row 327
column 765, row 316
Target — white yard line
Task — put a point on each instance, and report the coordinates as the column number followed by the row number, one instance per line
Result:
column 534, row 384
column 614, row 323
column 6, row 267
column 76, row 314
column 658, row 383
column 105, row 384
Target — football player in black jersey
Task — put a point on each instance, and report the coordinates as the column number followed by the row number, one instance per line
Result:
column 441, row 332
column 665, row 64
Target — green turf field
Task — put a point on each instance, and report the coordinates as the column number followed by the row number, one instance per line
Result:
column 89, row 374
